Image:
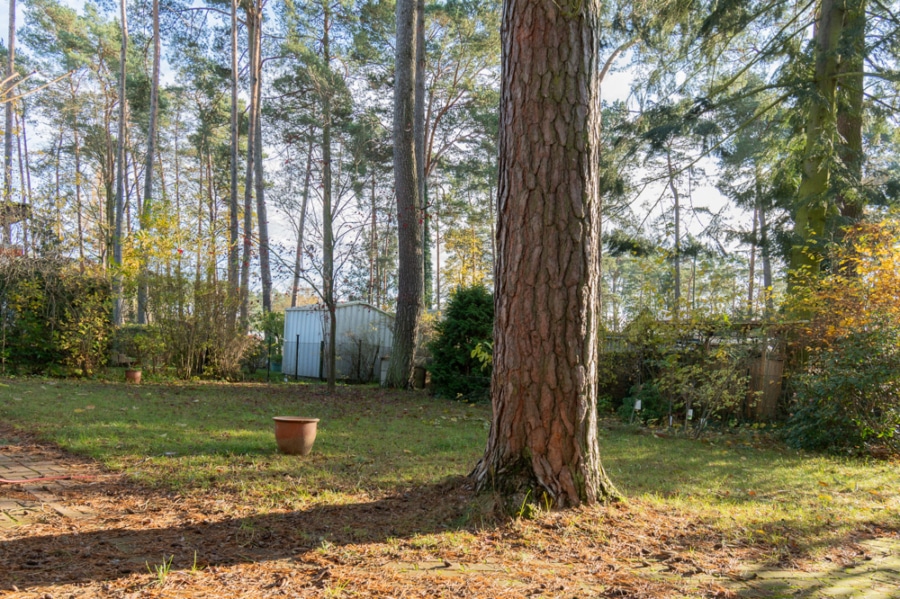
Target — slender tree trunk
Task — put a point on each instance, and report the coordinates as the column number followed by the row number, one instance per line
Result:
column 437, row 249
column 262, row 219
column 198, row 270
column 180, row 259
column 147, row 208
column 327, row 216
column 77, row 152
column 22, row 190
column 248, row 178
column 28, row 172
column 543, row 438
column 677, row 260
column 8, row 130
column 233, row 206
column 134, row 187
column 373, row 244
column 493, row 216
column 108, row 173
column 812, row 201
column 419, row 126
column 410, row 276
column 766, row 261
column 118, row 305
column 212, row 273
column 298, row 258
column 752, row 277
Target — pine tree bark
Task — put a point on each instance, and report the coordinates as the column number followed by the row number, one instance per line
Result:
column 410, row 282
column 850, row 110
column 543, row 439
column 147, row 208
column 812, row 201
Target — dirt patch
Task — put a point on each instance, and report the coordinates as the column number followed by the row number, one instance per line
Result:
column 432, row 541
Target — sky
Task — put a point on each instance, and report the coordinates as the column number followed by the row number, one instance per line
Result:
column 617, row 86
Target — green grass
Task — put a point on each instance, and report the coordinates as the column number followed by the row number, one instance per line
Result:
column 197, row 437
column 755, row 489
column 202, row 438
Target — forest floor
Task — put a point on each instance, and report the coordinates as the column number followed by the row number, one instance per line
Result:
column 162, row 514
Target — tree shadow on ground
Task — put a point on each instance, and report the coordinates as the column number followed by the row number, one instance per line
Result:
column 874, row 574
column 105, row 555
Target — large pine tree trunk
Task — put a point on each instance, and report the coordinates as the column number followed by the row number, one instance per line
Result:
column 410, row 276
column 543, row 439
column 812, row 198
column 850, row 109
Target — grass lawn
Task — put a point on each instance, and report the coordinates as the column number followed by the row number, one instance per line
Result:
column 384, row 485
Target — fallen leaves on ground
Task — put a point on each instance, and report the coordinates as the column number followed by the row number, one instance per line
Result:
column 433, row 541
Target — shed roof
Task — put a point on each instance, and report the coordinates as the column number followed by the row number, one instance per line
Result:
column 321, row 307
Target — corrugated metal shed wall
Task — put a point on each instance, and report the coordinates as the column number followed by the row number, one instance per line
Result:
column 304, row 331
column 364, row 335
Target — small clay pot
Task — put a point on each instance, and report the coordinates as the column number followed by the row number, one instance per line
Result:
column 133, row 375
column 294, row 435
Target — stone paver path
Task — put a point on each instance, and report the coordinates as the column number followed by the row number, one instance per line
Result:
column 28, row 501
column 877, row 576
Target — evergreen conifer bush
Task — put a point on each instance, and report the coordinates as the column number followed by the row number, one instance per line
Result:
column 468, row 322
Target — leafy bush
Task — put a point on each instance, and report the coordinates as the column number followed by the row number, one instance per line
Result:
column 847, row 391
column 52, row 313
column 654, row 407
column 693, row 369
column 468, row 322
column 848, row 397
column 198, row 339
column 142, row 343
column 706, row 382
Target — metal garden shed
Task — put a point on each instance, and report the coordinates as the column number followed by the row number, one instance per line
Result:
column 363, row 337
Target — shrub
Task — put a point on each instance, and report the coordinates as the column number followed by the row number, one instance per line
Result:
column 654, row 407
column 847, row 390
column 140, row 342
column 197, row 337
column 848, row 396
column 692, row 367
column 468, row 322
column 53, row 313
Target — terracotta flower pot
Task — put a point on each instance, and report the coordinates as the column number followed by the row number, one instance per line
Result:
column 133, row 375
column 294, row 435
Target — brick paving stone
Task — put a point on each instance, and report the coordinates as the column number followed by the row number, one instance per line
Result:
column 15, row 512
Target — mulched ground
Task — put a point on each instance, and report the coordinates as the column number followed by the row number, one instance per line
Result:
column 408, row 544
